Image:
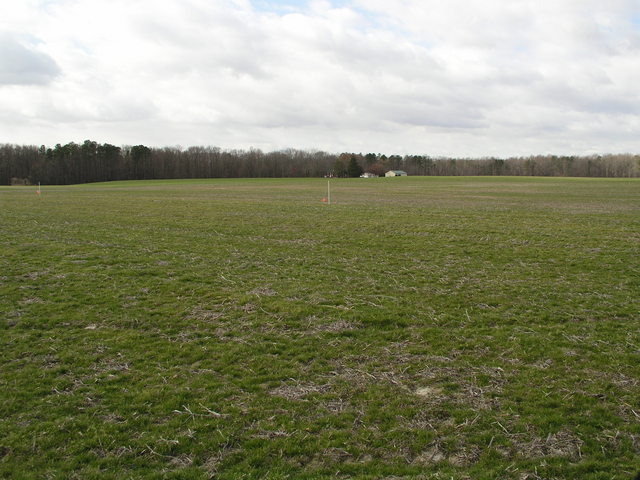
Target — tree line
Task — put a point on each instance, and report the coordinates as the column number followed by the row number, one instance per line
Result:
column 90, row 161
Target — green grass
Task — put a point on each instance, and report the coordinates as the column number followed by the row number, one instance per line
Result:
column 465, row 328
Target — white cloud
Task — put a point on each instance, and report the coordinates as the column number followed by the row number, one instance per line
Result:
column 409, row 76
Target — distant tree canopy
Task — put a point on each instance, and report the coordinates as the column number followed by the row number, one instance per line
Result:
column 92, row 162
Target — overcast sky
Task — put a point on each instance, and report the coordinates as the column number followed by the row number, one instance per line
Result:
column 438, row 77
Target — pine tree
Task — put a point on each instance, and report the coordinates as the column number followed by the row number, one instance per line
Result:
column 354, row 169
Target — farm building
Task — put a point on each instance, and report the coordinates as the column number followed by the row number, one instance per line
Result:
column 396, row 173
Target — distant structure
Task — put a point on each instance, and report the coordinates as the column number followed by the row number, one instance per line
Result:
column 368, row 175
column 396, row 173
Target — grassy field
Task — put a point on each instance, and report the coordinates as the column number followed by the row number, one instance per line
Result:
column 436, row 328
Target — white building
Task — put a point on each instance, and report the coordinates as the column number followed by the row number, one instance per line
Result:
column 396, row 173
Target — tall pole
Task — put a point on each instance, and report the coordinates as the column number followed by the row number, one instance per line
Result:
column 329, row 192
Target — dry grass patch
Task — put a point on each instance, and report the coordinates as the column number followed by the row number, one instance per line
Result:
column 560, row 444
column 299, row 390
column 462, row 457
column 316, row 325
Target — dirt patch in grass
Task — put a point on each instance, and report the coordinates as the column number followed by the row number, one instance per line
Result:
column 430, row 456
column 49, row 361
column 212, row 463
column 113, row 418
column 263, row 292
column 361, row 378
column 181, row 461
column 430, row 420
column 338, row 405
column 461, row 457
column 269, row 434
column 299, row 390
column 560, row 444
column 304, row 242
column 30, row 301
column 111, row 365
column 315, row 326
column 204, row 314
column 249, row 308
column 36, row 275
column 429, row 392
column 333, row 455
column 462, row 386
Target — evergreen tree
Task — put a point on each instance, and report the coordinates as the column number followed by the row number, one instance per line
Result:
column 354, row 169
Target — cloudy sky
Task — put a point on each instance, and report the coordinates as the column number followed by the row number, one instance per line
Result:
column 438, row 77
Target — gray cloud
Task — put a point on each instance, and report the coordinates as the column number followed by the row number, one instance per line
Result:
column 22, row 64
column 412, row 76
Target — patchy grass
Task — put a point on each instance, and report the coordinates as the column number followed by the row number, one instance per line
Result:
column 466, row 328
